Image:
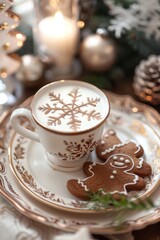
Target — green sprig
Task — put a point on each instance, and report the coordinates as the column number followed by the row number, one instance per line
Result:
column 101, row 201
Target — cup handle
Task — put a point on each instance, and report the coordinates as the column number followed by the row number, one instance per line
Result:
column 23, row 112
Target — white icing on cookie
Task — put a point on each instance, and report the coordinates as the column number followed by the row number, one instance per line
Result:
column 112, row 148
column 120, row 145
column 126, row 171
column 80, row 182
column 136, row 179
column 111, row 177
column 127, row 161
column 141, row 161
column 119, row 164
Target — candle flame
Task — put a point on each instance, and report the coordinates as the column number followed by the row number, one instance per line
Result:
column 59, row 17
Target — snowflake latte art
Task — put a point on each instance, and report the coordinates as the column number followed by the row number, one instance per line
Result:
column 70, row 107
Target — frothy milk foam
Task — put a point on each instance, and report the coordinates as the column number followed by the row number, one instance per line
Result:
column 70, row 107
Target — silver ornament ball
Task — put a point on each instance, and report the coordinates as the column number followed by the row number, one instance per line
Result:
column 31, row 71
column 97, row 52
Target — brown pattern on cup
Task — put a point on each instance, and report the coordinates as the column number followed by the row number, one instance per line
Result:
column 78, row 149
column 19, row 149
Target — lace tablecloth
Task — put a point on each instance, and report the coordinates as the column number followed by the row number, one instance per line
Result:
column 15, row 226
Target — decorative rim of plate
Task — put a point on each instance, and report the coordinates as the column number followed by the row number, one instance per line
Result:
column 18, row 157
column 128, row 225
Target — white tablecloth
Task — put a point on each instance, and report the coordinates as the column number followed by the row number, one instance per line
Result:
column 15, row 226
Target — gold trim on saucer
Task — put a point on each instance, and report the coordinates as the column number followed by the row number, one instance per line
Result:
column 27, row 181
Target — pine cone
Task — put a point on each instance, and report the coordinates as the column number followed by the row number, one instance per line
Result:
column 147, row 80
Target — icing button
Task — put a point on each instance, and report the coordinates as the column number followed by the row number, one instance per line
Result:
column 106, row 135
column 111, row 177
column 114, row 172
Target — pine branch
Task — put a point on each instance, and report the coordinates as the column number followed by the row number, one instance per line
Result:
column 101, row 201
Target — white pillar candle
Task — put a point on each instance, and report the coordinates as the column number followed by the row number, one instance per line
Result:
column 59, row 36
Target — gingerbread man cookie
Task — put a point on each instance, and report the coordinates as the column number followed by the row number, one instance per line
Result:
column 113, row 176
column 110, row 144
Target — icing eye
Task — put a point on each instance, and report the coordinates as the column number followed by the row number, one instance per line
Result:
column 121, row 159
column 114, row 172
column 111, row 177
column 127, row 161
column 115, row 158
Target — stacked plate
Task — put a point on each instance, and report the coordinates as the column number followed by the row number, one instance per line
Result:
column 40, row 192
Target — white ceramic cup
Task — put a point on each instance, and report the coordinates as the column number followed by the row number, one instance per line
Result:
column 68, row 117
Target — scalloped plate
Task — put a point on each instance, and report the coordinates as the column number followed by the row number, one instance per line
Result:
column 29, row 164
column 97, row 223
